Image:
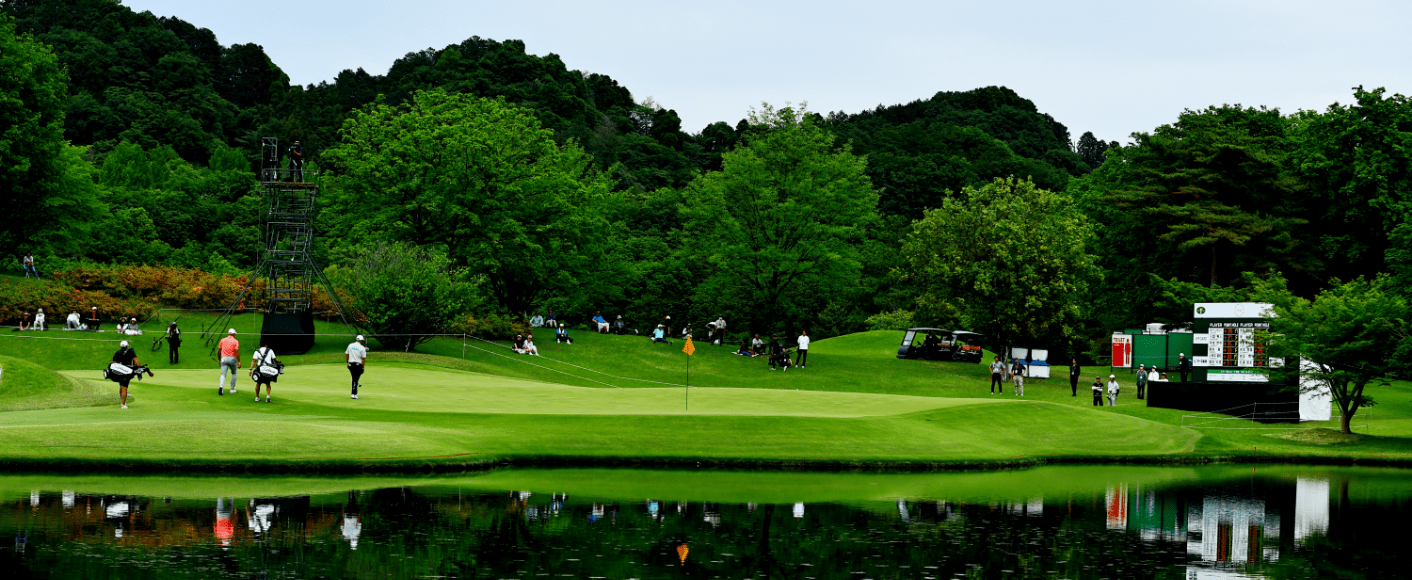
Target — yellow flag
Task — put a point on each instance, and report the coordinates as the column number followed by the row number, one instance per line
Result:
column 689, row 349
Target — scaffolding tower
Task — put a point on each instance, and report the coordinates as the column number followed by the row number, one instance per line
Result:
column 286, row 265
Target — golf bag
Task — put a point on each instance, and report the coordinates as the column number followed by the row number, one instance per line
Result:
column 119, row 373
column 266, row 372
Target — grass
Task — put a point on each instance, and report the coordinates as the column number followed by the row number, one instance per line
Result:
column 618, row 399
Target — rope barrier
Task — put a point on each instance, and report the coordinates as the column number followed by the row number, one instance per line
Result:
column 587, row 369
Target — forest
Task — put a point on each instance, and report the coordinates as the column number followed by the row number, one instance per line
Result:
column 517, row 185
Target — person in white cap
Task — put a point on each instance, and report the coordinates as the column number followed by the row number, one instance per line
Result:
column 229, row 349
column 127, row 357
column 1112, row 390
column 357, row 357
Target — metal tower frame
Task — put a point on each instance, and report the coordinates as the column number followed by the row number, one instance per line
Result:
column 287, row 264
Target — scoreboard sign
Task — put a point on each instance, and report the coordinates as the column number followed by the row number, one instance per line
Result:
column 1235, row 336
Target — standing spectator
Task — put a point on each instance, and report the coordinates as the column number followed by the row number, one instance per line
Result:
column 667, row 325
column 173, row 343
column 562, row 335
column 1017, row 374
column 1141, row 380
column 296, row 162
column 1183, row 365
column 619, row 327
column 1097, row 391
column 996, row 369
column 127, row 357
column 537, row 321
column 29, row 266
column 93, row 318
column 1113, row 390
column 660, row 335
column 1074, row 371
column 264, row 369
column 356, row 355
column 229, row 349
column 803, row 349
column 601, row 322
column 720, row 330
column 38, row 321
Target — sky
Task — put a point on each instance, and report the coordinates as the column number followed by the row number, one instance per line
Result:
column 1113, row 68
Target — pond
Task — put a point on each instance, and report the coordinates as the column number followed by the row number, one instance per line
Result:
column 1052, row 522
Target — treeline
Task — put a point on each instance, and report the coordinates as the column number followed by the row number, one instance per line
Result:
column 968, row 209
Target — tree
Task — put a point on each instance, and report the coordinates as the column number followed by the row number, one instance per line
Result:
column 482, row 179
column 32, row 95
column 1091, row 150
column 779, row 221
column 404, row 293
column 1006, row 260
column 1350, row 336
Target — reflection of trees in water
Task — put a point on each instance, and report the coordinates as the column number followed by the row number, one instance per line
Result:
column 409, row 532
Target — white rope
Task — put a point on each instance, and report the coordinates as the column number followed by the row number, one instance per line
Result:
column 586, row 368
column 541, row 366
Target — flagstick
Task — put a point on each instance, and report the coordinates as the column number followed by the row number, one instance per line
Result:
column 687, row 391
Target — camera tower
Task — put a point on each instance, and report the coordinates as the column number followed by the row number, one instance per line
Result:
column 286, row 264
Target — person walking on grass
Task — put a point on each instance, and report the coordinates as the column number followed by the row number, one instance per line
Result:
column 264, row 369
column 803, row 349
column 173, row 343
column 1141, row 380
column 127, row 357
column 1017, row 374
column 1113, row 390
column 996, row 368
column 1074, row 371
column 229, row 349
column 1097, row 391
column 356, row 355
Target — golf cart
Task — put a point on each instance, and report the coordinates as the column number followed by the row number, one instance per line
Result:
column 941, row 344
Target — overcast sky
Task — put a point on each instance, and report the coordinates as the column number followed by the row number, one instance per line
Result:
column 1108, row 67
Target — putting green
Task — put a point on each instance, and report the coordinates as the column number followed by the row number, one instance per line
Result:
column 419, row 389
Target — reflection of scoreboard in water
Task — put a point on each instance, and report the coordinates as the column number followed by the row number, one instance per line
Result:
column 1235, row 336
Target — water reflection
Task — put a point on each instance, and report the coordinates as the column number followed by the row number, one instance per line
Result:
column 1286, row 527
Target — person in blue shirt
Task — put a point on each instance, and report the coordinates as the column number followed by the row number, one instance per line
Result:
column 660, row 334
column 562, row 335
column 602, row 322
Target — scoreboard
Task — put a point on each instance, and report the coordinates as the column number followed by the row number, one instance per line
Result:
column 1235, row 336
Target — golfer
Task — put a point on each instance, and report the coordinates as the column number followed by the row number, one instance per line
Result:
column 127, row 357
column 263, row 369
column 1018, row 376
column 229, row 349
column 357, row 356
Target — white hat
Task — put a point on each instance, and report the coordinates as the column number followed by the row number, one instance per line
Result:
column 123, row 344
column 231, row 331
column 95, row 308
column 359, row 339
column 1112, row 376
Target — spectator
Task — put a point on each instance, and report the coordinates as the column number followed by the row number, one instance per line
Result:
column 619, row 327
column 38, row 321
column 530, row 348
column 537, row 321
column 757, row 346
column 997, row 368
column 1074, row 371
column 73, row 322
column 777, row 354
column 667, row 325
column 93, row 318
column 1183, row 366
column 601, row 322
column 686, row 331
column 660, row 335
column 551, row 320
column 1017, row 374
column 745, row 348
column 803, row 349
column 24, row 321
column 562, row 335
column 29, row 266
column 1113, row 390
column 519, row 346
column 1097, row 391
column 1141, row 380
column 173, row 343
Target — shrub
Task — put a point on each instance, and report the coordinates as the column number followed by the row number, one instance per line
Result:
column 894, row 320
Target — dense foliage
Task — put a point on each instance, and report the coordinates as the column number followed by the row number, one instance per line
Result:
column 560, row 188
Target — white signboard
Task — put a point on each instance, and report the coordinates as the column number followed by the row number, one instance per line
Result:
column 1234, row 310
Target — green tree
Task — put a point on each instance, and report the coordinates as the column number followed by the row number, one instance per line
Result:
column 778, row 223
column 32, row 94
column 1349, row 337
column 481, row 178
column 1006, row 260
column 1356, row 161
column 405, row 294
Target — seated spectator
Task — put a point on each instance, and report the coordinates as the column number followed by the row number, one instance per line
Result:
column 757, row 346
column 601, row 322
column 745, row 348
column 73, row 322
column 660, row 334
column 686, row 330
column 562, row 335
column 619, row 327
column 519, row 345
column 38, row 321
column 537, row 321
column 551, row 319
column 24, row 322
column 530, row 348
column 93, row 318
